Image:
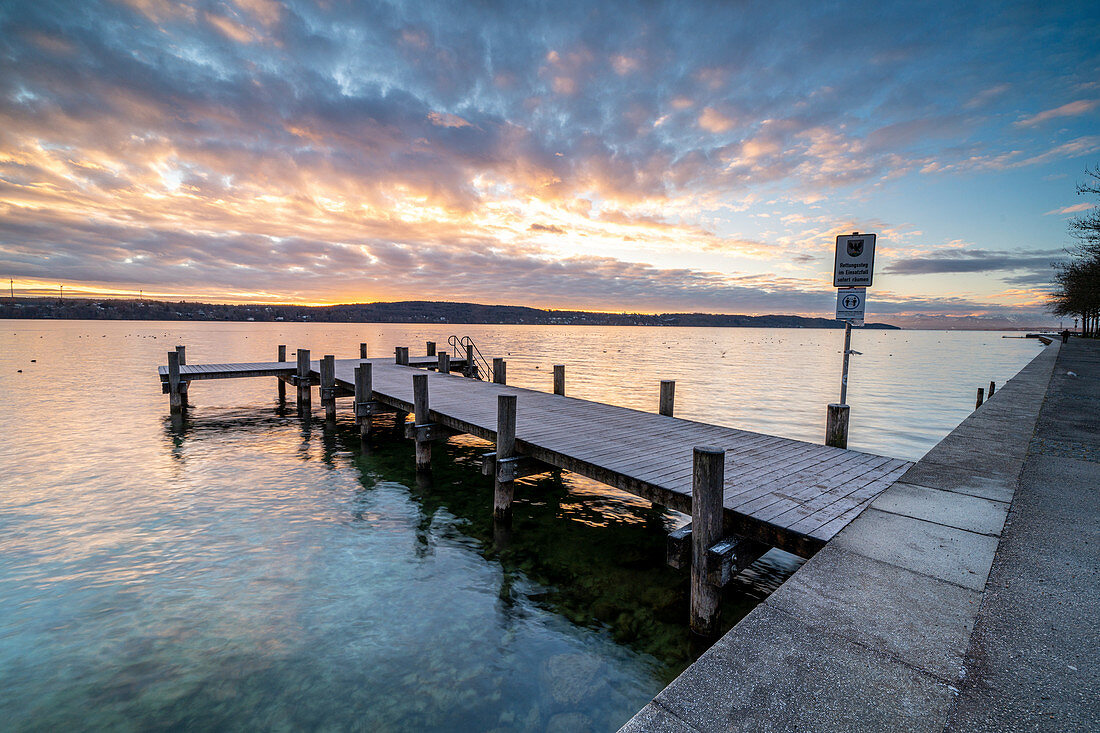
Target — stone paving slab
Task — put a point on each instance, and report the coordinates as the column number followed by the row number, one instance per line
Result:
column 936, row 550
column 925, row 622
column 779, row 674
column 961, row 511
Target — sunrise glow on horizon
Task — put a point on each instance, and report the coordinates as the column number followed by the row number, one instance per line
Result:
column 674, row 158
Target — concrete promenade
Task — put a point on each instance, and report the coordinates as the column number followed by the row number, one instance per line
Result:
column 965, row 598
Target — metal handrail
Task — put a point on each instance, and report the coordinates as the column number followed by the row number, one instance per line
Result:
column 480, row 363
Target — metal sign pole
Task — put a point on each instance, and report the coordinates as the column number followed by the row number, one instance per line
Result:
column 847, row 354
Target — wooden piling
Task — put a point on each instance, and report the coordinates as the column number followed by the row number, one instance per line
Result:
column 708, row 477
column 363, row 398
column 471, row 365
column 328, row 386
column 443, row 360
column 401, row 355
column 836, row 426
column 362, row 351
column 559, row 379
column 992, row 388
column 182, row 351
column 429, row 348
column 668, row 396
column 420, row 417
column 500, row 371
column 506, row 448
column 981, row 398
column 282, row 384
column 175, row 398
column 303, row 380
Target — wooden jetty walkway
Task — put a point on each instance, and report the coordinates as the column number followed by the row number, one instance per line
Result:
column 768, row 491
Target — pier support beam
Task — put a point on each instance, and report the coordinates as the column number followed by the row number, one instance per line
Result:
column 559, row 379
column 429, row 348
column 708, row 476
column 443, row 363
column 668, row 397
column 364, row 398
column 981, row 398
column 500, row 368
column 328, row 386
column 420, row 416
column 303, row 381
column 992, row 388
column 281, row 383
column 401, row 355
column 503, row 491
column 175, row 397
column 836, row 426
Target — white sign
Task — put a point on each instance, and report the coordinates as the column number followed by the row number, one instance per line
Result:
column 855, row 261
column 850, row 304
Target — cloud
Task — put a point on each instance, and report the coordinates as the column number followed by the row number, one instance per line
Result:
column 1070, row 109
column 550, row 228
column 1073, row 209
column 220, row 144
column 973, row 260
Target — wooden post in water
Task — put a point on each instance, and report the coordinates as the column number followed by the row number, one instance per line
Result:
column 668, row 396
column 992, row 388
column 500, row 371
column 708, row 476
column 401, row 355
column 363, row 397
column 328, row 386
column 362, row 351
column 303, row 381
column 836, row 426
column 175, row 399
column 443, row 362
column 182, row 351
column 471, row 365
column 559, row 379
column 282, row 384
column 506, row 448
column 430, row 348
column 420, row 417
column 981, row 398
column 400, row 417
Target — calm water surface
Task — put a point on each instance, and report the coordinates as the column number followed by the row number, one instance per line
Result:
column 250, row 570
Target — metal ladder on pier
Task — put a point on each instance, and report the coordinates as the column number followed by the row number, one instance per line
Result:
column 477, row 366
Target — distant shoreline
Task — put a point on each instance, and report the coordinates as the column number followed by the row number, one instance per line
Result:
column 426, row 312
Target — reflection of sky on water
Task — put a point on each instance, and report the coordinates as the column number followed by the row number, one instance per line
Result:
column 250, row 570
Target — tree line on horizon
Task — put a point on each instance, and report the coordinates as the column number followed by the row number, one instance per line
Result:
column 1077, row 280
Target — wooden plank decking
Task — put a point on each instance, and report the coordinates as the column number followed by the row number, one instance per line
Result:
column 786, row 493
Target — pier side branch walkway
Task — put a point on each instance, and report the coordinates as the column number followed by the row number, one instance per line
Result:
column 963, row 599
column 784, row 493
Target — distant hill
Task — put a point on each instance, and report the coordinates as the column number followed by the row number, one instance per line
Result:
column 411, row 311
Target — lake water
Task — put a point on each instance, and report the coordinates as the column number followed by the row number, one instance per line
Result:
column 250, row 570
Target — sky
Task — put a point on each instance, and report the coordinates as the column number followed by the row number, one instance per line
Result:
column 612, row 156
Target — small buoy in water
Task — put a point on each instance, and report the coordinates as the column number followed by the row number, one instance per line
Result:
column 20, row 371
column 1068, row 374
column 34, row 361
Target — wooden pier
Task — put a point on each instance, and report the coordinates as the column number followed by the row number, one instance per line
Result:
column 775, row 492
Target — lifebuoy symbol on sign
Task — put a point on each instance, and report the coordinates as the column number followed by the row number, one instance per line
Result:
column 851, row 302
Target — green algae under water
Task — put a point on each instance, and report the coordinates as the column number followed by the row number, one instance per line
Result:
column 247, row 569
